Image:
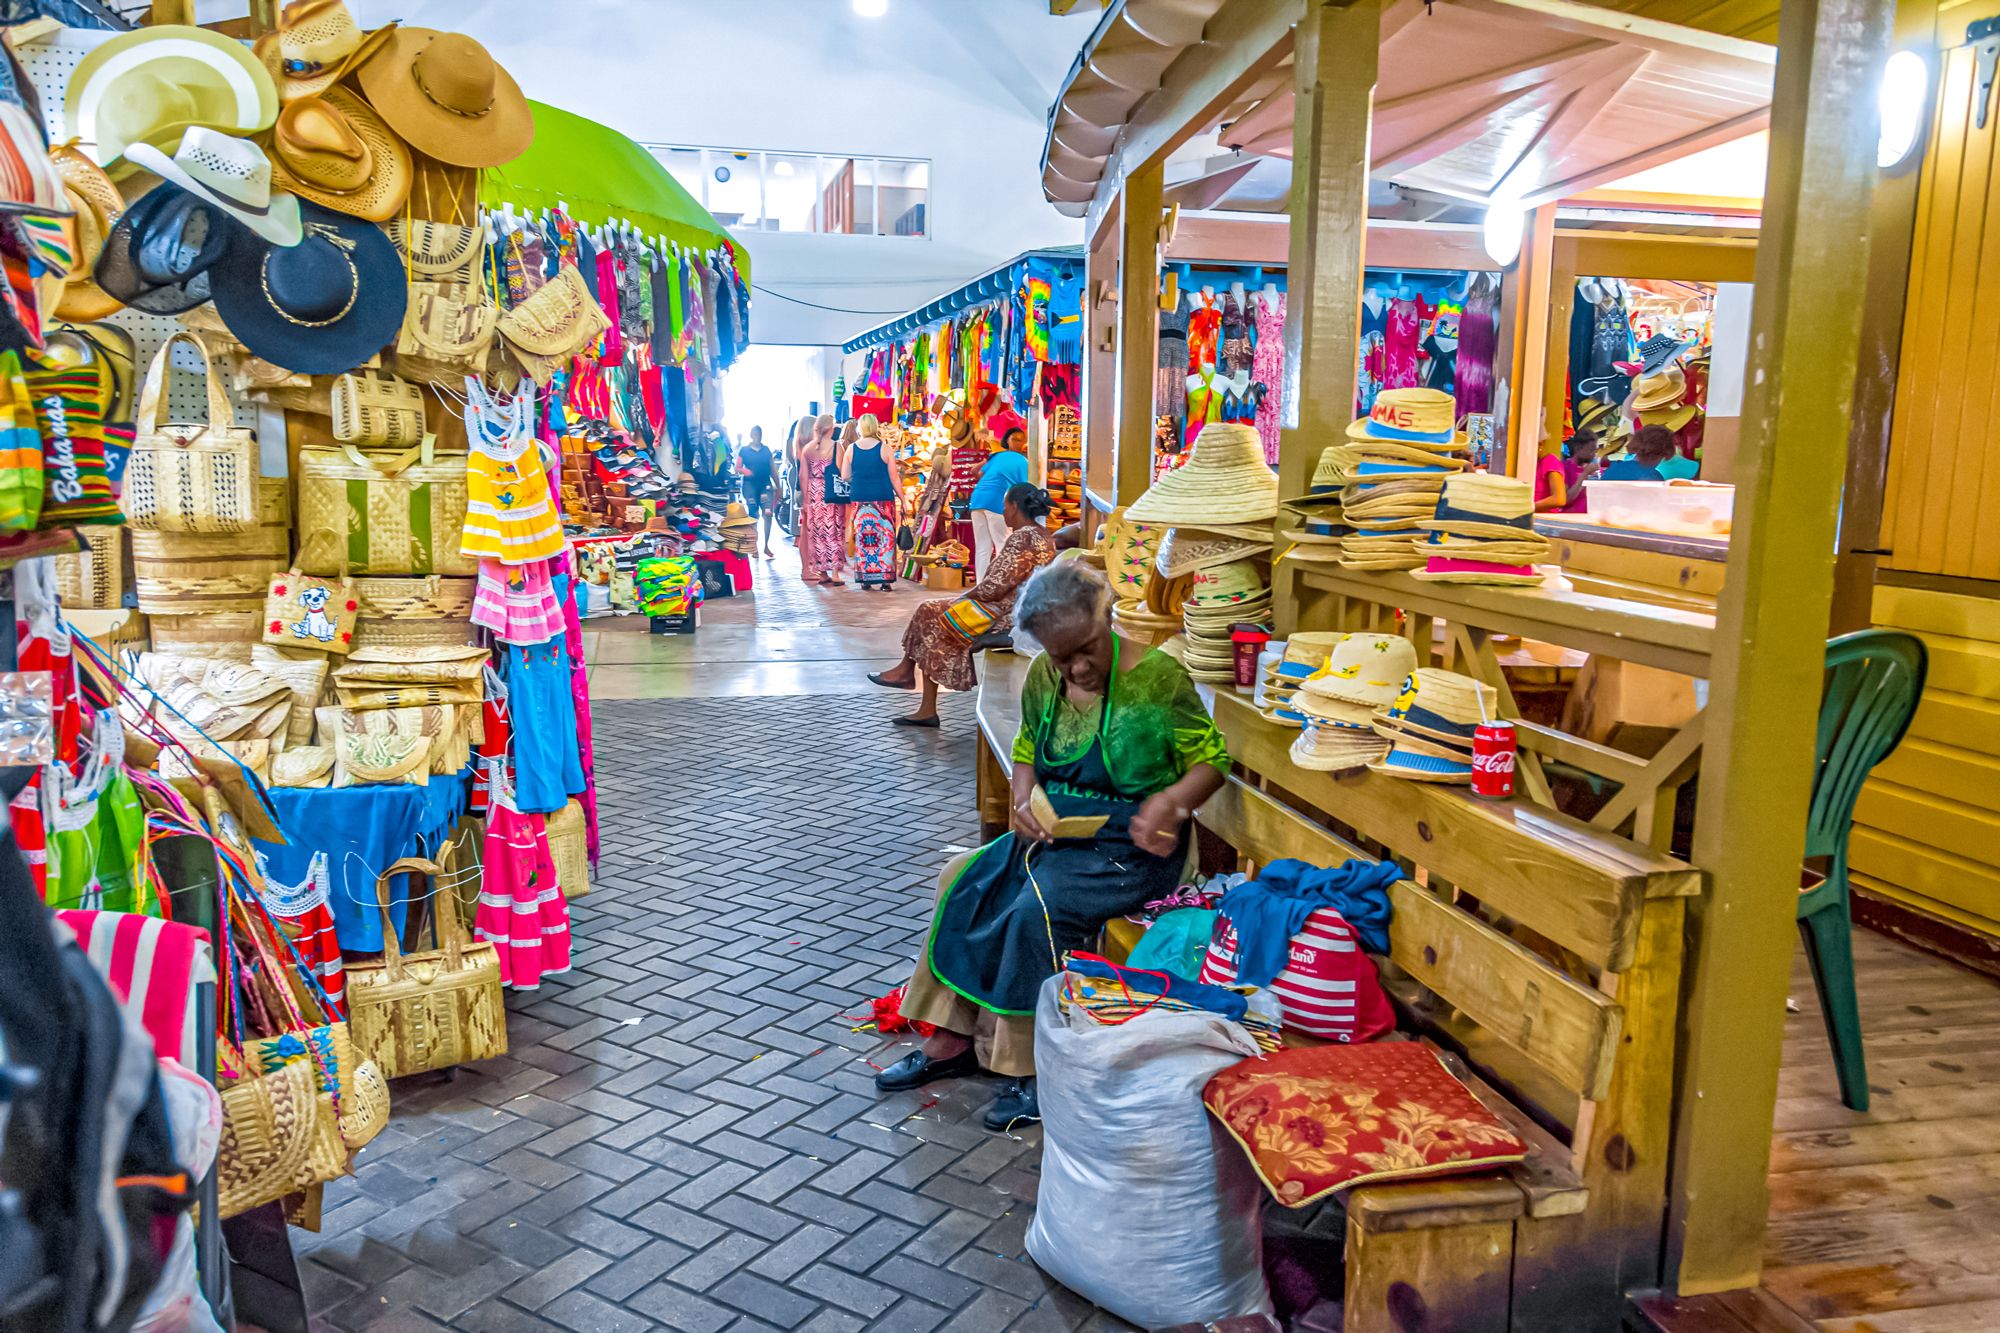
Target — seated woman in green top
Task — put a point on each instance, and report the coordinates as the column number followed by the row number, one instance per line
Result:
column 1109, row 728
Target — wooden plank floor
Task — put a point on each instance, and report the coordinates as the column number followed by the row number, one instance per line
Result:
column 1889, row 1222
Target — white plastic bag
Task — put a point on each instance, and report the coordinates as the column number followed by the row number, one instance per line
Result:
column 1145, row 1207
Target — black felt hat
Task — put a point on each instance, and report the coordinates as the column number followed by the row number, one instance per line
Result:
column 160, row 255
column 321, row 307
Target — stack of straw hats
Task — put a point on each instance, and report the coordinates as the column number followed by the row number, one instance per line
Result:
column 1286, row 670
column 1396, row 461
column 1429, row 726
column 1219, row 599
column 1321, row 524
column 1130, row 550
column 1188, row 550
column 739, row 530
column 1341, row 701
column 1483, row 531
column 1225, row 480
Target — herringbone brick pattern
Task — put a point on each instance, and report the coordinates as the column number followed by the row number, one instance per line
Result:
column 685, row 1134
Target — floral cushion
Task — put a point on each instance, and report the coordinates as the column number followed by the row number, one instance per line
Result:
column 1318, row 1119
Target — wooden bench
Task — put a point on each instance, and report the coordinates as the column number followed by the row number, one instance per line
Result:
column 1544, row 956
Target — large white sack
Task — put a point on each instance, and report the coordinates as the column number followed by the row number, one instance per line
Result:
column 1145, row 1206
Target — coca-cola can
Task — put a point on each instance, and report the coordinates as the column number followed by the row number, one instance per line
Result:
column 1493, row 760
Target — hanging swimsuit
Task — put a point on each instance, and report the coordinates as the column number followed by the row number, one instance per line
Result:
column 1204, row 404
column 1242, row 406
column 1000, row 921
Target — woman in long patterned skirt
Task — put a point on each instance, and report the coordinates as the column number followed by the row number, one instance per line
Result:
column 875, row 485
column 822, row 526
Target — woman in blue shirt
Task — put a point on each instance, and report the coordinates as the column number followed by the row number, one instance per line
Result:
column 1652, row 446
column 1002, row 472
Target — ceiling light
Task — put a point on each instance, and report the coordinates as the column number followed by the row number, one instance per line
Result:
column 782, row 169
column 871, row 9
column 1506, row 222
column 1903, row 98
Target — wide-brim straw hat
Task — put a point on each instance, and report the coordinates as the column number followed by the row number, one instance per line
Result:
column 1310, row 648
column 1283, row 717
column 153, row 84
column 1365, row 458
column 1526, row 551
column 232, row 174
column 1336, row 712
column 1442, row 703
column 337, row 151
column 1369, row 669
column 1403, row 763
column 446, row 95
column 1336, row 749
column 1254, row 532
column 1327, row 480
column 98, row 206
column 316, row 43
column 1189, row 551
column 1658, row 390
column 1439, row 569
column 1673, row 418
column 1422, row 417
column 162, row 253
column 1228, row 584
column 1420, row 740
column 1225, row 480
column 321, row 307
column 1316, row 532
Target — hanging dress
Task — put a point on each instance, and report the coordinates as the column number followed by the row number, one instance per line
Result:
column 1239, row 406
column 1267, row 367
column 1374, row 325
column 522, row 912
column 1235, row 335
column 874, row 496
column 1478, row 336
column 1204, row 336
column 304, row 911
column 1399, row 344
column 1170, row 377
column 508, row 514
column 1204, row 404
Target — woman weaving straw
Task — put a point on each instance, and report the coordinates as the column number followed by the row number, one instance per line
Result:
column 1110, row 729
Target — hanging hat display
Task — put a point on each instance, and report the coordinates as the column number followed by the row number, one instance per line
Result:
column 1420, row 417
column 160, row 254
column 97, row 205
column 315, row 38
column 444, row 93
column 337, row 151
column 321, row 307
column 1225, row 480
column 153, row 84
column 233, row 174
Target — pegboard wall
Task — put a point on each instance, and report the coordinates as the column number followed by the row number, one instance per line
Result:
column 50, row 61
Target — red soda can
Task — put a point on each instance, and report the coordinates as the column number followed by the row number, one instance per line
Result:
column 1493, row 760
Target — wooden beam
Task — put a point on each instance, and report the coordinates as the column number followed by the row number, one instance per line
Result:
column 1533, row 292
column 165, row 12
column 1812, row 276
column 1138, row 326
column 1100, row 365
column 1334, row 62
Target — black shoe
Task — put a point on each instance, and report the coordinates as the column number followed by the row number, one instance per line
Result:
column 914, row 721
column 917, row 1068
column 1016, row 1105
column 879, row 678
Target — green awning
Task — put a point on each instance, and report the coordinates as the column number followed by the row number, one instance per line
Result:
column 599, row 174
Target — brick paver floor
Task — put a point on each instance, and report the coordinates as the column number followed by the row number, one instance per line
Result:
column 684, row 1133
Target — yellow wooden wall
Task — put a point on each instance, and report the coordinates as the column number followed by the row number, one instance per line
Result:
column 1941, row 506
column 1927, row 829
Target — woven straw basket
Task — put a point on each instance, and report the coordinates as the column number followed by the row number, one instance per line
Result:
column 570, row 850
column 94, row 578
column 457, row 632
column 429, row 1010
column 226, row 629
column 416, row 599
column 271, row 1135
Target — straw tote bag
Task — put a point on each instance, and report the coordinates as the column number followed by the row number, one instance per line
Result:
column 449, row 323
column 428, row 1010
column 307, row 611
column 383, row 514
column 375, row 410
column 190, row 476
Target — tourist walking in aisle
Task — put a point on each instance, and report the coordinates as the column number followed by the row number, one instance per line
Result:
column 875, row 489
column 944, row 632
column 822, row 516
column 1006, row 469
column 760, row 485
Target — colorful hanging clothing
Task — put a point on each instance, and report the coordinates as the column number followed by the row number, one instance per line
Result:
column 20, row 450
column 522, row 912
column 1204, row 335
column 1401, row 337
column 304, row 912
column 561, row 578
column 93, row 848
column 489, row 761
column 508, row 516
column 1204, row 404
column 1235, row 335
column 1267, row 367
column 1170, row 378
column 1066, row 314
column 517, row 603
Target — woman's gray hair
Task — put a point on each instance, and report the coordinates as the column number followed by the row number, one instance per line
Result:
column 1066, row 589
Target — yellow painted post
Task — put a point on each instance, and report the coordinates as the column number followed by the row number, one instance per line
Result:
column 1100, row 369
column 1138, row 326
column 1536, row 299
column 1756, row 773
column 1334, row 56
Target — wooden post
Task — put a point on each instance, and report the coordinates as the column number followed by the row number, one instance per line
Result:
column 1138, row 326
column 1536, row 300
column 1334, row 53
column 1756, row 774
column 1100, row 368
column 166, row 12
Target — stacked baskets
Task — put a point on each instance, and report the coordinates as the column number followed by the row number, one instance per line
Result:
column 204, row 592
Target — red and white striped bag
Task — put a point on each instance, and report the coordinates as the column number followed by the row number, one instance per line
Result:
column 1329, row 989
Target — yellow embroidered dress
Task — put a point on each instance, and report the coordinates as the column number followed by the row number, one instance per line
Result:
column 510, row 515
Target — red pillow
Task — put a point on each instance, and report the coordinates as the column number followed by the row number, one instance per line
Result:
column 1318, row 1119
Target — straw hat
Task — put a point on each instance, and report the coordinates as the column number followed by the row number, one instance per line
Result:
column 161, row 253
column 1441, row 705
column 1402, row 762
column 1332, row 749
column 317, row 42
column 1328, row 477
column 98, row 206
column 1225, row 480
column 1659, row 390
column 1232, row 584
column 1374, row 460
column 231, row 173
column 1255, row 532
column 153, row 84
column 334, row 149
column 444, row 93
column 1316, row 532
column 1334, row 712
column 1484, row 504
column 1420, row 417
column 1365, row 669
column 1187, row 551
column 1438, row 569
column 1128, row 554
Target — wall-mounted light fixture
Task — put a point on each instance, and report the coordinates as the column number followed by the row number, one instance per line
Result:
column 1501, row 232
column 1904, row 99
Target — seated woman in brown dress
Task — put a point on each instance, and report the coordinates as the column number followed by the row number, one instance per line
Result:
column 940, row 639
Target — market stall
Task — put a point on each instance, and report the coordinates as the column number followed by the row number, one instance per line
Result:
column 337, row 453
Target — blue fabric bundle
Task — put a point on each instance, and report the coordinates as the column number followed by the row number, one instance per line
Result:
column 1273, row 907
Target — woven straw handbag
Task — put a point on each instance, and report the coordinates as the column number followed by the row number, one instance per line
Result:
column 396, row 514
column 554, row 324
column 304, row 674
column 190, row 476
column 374, row 410
column 570, row 849
column 374, row 760
column 428, row 1010
column 443, row 725
column 416, row 599
column 308, row 611
column 442, row 252
column 269, row 1126
column 95, row 578
column 358, row 1093
column 303, row 766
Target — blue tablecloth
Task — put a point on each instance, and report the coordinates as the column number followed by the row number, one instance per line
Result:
column 363, row 830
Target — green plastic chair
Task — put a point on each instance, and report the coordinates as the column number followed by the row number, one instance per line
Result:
column 1874, row 678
